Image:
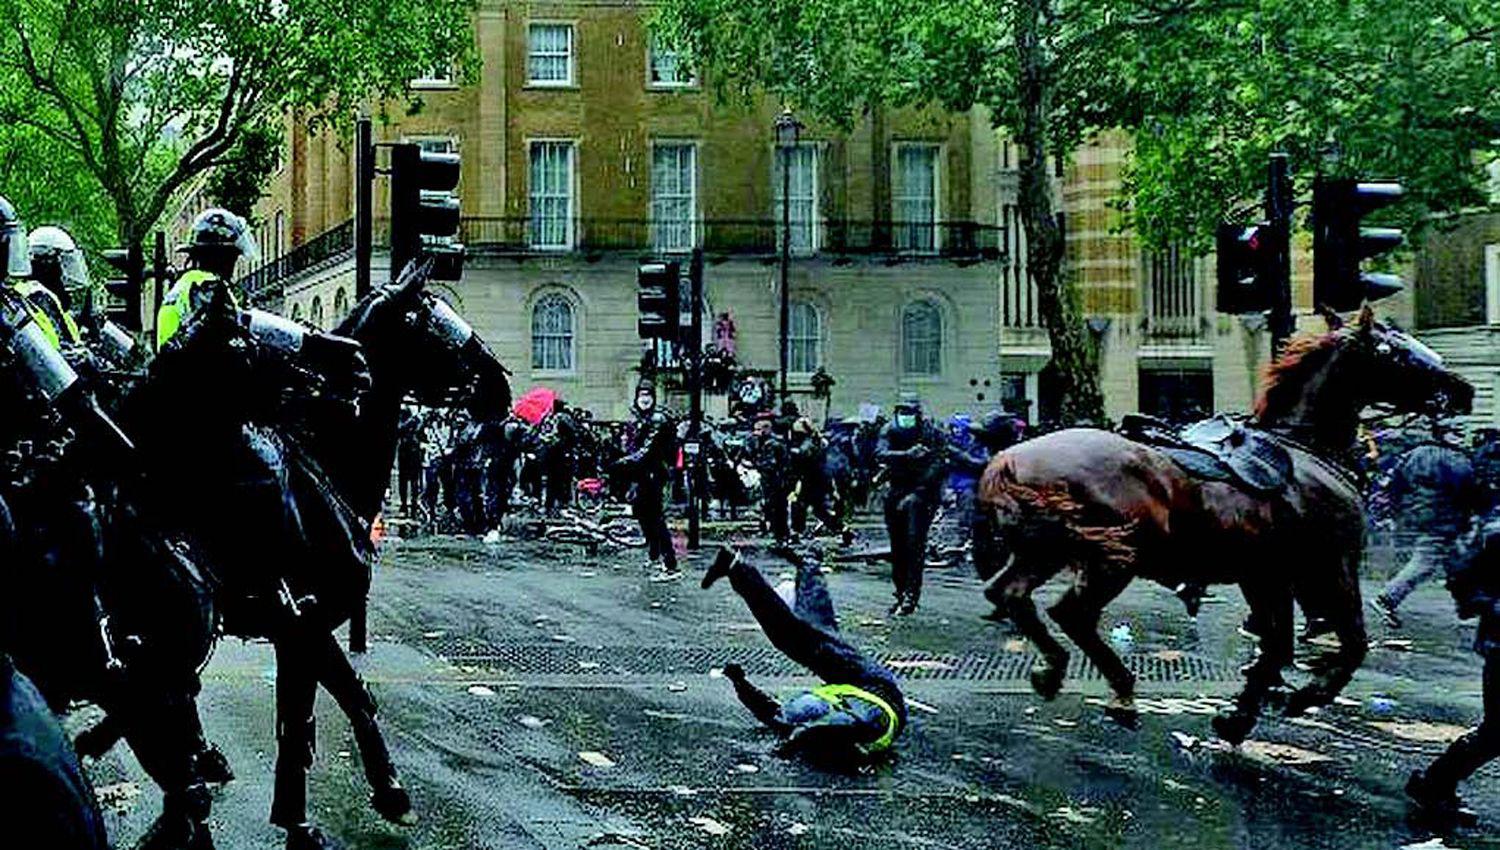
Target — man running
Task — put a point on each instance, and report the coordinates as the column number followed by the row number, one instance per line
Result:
column 857, row 713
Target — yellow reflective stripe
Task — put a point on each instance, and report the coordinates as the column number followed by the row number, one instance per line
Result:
column 29, row 289
column 177, row 305
column 837, row 693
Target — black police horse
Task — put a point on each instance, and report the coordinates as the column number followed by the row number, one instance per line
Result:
column 295, row 560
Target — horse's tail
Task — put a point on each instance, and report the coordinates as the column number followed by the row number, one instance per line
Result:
column 1048, row 520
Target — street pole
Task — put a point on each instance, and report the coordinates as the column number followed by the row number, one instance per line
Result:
column 695, row 402
column 786, row 263
column 364, row 217
column 364, row 196
column 1279, row 215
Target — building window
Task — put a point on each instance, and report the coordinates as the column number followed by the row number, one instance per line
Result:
column 340, row 304
column 1492, row 283
column 296, row 312
column 280, row 245
column 921, row 339
column 674, row 196
column 552, row 195
column 315, row 315
column 803, row 180
column 666, row 68
column 804, row 338
column 915, row 207
column 435, row 144
column 1180, row 396
column 549, row 58
column 552, row 334
column 437, row 77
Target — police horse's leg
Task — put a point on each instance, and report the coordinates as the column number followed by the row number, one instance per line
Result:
column 1077, row 613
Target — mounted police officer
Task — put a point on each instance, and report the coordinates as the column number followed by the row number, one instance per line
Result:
column 913, row 452
column 217, row 241
column 57, row 272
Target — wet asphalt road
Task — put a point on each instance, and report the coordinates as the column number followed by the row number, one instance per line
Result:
column 544, row 697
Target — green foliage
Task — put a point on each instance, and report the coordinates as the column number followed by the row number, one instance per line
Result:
column 237, row 183
column 48, row 186
column 146, row 95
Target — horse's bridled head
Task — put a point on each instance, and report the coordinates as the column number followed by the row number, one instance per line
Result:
column 1412, row 376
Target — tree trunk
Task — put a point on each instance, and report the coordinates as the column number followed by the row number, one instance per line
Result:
column 1073, row 359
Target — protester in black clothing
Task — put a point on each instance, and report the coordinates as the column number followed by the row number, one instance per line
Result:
column 648, row 465
column 1485, row 454
column 859, row 711
column 559, row 441
column 47, row 802
column 995, row 432
column 808, row 452
column 1473, row 578
column 914, row 455
column 504, row 443
column 409, row 461
column 771, row 459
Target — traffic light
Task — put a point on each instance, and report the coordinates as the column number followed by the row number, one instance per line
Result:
column 1339, row 243
column 659, row 298
column 425, row 211
column 124, row 304
column 1247, row 278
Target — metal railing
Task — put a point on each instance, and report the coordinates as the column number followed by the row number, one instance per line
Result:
column 269, row 277
column 954, row 240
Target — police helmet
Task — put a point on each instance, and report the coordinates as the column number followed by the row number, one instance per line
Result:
column 15, row 256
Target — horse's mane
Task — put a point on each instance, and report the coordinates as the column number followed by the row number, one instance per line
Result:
column 1284, row 375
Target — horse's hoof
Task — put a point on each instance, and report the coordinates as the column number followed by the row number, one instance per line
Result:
column 213, row 767
column 394, row 804
column 308, row 837
column 1046, row 680
column 1233, row 728
column 1122, row 711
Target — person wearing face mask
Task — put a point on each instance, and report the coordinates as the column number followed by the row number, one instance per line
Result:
column 648, row 465
column 913, row 452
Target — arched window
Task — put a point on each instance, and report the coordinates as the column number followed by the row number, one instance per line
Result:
column 315, row 314
column 552, row 334
column 921, row 339
column 296, row 312
column 340, row 304
column 804, row 338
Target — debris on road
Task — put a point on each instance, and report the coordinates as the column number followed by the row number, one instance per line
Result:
column 747, row 768
column 919, row 706
column 533, row 722
column 919, row 664
column 119, row 796
column 1285, row 754
column 1420, row 731
column 481, row 691
column 677, row 686
column 709, row 825
column 611, row 838
column 1396, row 644
column 596, row 759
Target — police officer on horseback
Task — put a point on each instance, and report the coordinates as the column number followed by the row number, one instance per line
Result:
column 218, row 240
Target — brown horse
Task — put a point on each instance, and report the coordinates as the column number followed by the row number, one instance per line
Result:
column 1107, row 509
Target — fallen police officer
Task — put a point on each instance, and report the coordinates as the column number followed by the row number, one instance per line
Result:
column 857, row 713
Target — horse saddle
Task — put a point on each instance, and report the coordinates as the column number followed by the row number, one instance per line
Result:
column 1218, row 449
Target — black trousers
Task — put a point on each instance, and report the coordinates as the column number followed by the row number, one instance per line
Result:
column 650, row 508
column 807, row 633
column 499, row 481
column 409, row 482
column 1476, row 747
column 816, row 497
column 908, row 519
column 306, row 658
column 773, row 504
column 559, row 484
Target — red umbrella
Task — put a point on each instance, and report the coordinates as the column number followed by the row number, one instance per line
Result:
column 535, row 404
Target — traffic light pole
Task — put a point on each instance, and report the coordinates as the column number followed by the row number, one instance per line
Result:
column 1279, row 215
column 694, row 457
column 364, row 198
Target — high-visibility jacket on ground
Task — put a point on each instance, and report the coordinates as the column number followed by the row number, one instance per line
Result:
column 838, row 696
column 47, row 311
column 177, row 305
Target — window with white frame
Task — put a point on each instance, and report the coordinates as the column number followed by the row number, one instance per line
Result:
column 802, row 159
column 435, row 144
column 914, row 197
column 552, row 195
column 549, row 55
column 804, row 338
column 667, row 69
column 1492, row 284
column 439, row 76
column 921, row 339
column 315, row 316
column 552, row 334
column 674, row 196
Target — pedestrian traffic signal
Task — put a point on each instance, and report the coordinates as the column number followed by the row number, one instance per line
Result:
column 1247, row 279
column 425, row 211
column 659, row 300
column 124, row 303
column 1340, row 244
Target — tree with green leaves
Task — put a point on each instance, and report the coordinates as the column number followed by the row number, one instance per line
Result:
column 1187, row 77
column 144, row 97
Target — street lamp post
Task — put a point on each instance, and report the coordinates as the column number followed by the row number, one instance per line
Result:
column 788, row 129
